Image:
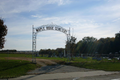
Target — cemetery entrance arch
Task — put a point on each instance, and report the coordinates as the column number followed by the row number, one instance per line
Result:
column 45, row 28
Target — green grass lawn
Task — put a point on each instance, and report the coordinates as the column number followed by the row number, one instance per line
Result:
column 107, row 66
column 15, row 55
column 76, row 59
column 104, row 64
column 14, row 68
column 53, row 58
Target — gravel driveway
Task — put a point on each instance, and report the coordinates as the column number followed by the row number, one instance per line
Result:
column 58, row 69
column 103, row 77
column 66, row 69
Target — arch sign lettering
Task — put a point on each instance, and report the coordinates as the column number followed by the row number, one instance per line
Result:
column 45, row 28
column 51, row 27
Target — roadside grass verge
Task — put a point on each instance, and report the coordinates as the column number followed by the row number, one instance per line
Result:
column 14, row 68
column 106, row 66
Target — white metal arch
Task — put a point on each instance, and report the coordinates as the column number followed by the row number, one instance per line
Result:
column 45, row 28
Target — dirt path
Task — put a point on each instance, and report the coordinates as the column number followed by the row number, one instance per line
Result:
column 42, row 62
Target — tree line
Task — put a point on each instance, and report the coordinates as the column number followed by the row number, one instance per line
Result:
column 90, row 45
column 52, row 52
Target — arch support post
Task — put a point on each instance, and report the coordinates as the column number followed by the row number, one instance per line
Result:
column 33, row 45
column 68, row 46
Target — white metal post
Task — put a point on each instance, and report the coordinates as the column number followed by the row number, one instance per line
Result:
column 33, row 45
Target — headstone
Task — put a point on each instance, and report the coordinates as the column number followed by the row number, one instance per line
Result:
column 99, row 59
column 84, row 57
column 37, row 54
column 64, row 54
column 81, row 55
column 93, row 58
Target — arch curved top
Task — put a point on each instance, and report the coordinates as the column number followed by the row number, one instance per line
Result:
column 51, row 27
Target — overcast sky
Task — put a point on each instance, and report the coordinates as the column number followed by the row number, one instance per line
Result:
column 97, row 18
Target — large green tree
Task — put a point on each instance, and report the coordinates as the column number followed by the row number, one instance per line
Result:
column 106, row 45
column 72, row 45
column 117, row 42
column 3, row 33
column 88, row 45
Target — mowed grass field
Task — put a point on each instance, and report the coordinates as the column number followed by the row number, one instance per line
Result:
column 106, row 66
column 15, row 68
column 15, row 55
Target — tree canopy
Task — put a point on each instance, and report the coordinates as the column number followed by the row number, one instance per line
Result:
column 3, row 33
column 91, row 45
